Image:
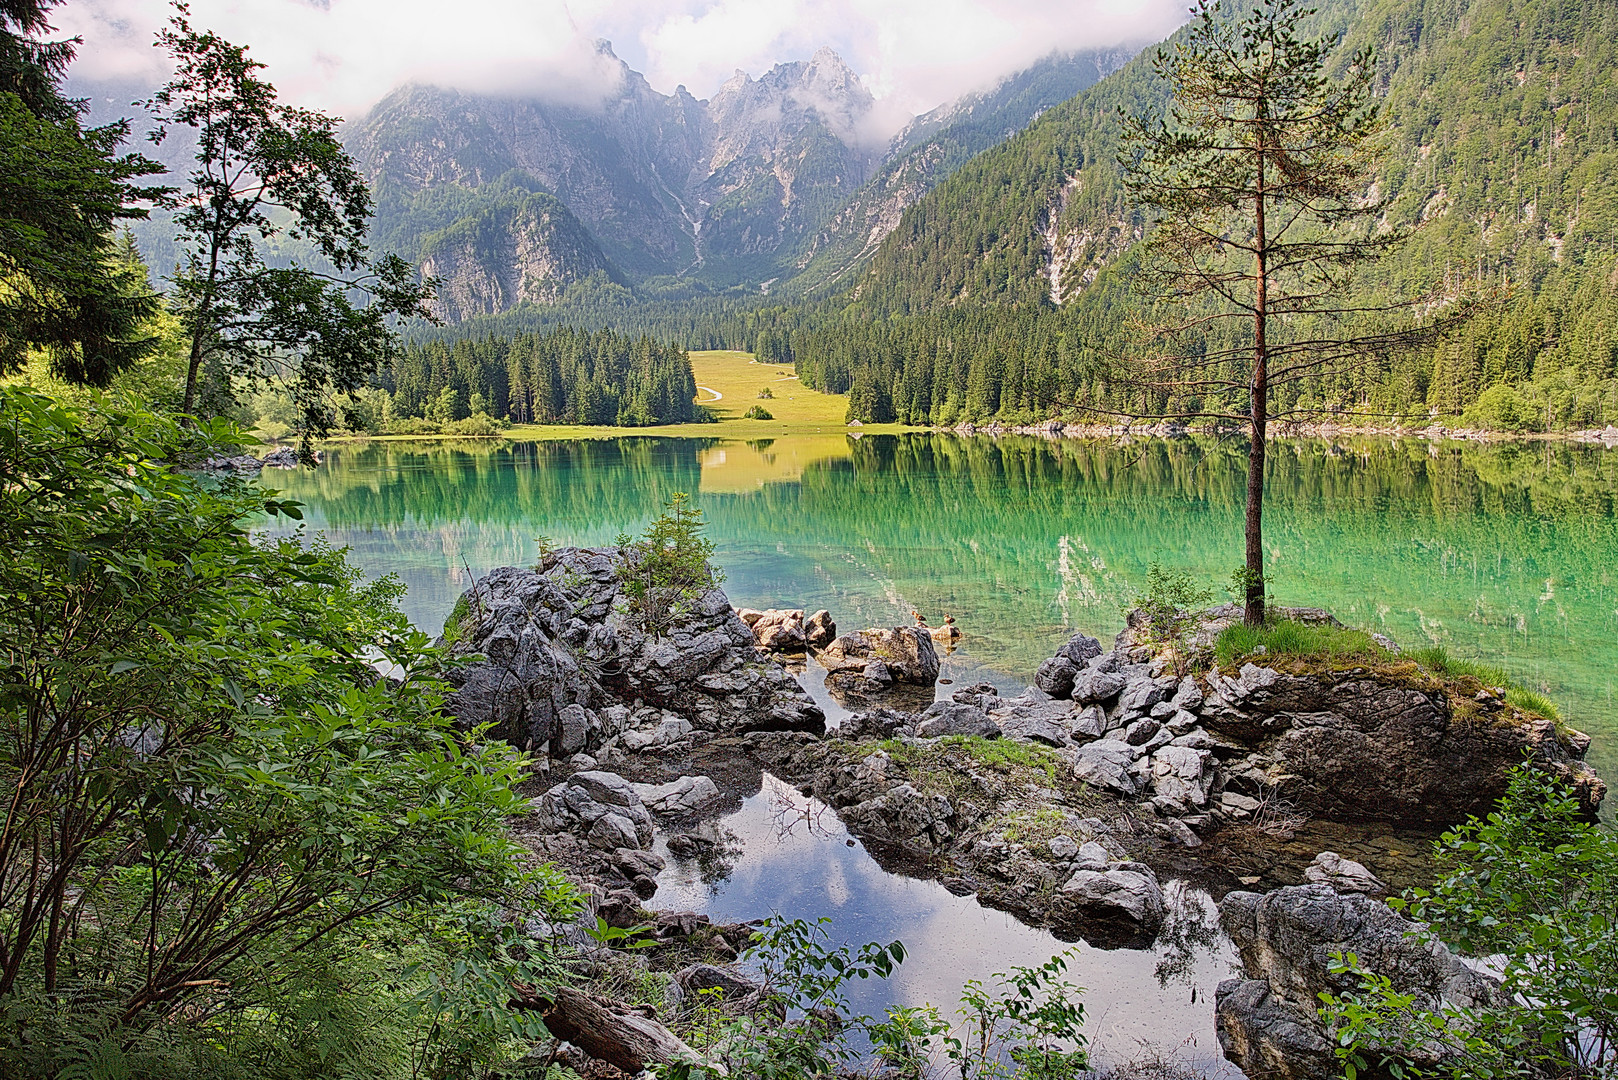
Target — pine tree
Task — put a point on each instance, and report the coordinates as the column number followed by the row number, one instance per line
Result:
column 1258, row 176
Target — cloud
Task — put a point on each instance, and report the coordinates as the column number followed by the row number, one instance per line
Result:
column 343, row 55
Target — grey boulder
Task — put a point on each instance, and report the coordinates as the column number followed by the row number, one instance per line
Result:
column 1343, row 875
column 950, row 718
column 677, row 797
column 1105, row 764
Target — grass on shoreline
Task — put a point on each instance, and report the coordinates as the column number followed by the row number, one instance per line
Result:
column 1336, row 644
column 1285, row 637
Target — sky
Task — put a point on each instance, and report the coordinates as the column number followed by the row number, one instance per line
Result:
column 341, row 56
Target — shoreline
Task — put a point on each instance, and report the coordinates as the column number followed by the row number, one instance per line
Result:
column 1052, row 430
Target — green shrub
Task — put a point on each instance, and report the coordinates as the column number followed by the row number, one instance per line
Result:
column 233, row 801
column 414, row 425
column 1288, row 637
column 757, row 412
column 1169, row 603
column 476, row 424
column 1535, row 887
column 766, row 393
column 665, row 571
column 1503, row 408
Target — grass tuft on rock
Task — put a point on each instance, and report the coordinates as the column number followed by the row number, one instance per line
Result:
column 1438, row 661
column 1286, row 637
column 453, row 625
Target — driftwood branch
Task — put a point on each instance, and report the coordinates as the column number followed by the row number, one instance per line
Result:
column 607, row 1030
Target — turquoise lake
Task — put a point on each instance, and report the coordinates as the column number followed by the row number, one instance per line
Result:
column 1503, row 552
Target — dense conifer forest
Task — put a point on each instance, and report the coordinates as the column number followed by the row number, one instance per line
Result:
column 1501, row 147
column 563, row 376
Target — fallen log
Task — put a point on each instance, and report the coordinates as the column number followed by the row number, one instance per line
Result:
column 608, row 1030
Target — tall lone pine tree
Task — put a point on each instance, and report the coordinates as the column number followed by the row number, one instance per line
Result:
column 1259, row 178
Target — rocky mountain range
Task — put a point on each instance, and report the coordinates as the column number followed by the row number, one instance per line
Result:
column 507, row 199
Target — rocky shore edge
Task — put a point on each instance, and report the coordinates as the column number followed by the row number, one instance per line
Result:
column 1066, row 804
column 1606, row 437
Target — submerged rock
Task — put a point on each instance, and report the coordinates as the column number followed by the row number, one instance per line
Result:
column 1344, row 875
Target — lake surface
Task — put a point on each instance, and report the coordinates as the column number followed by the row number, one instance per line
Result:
column 1507, row 553
column 1504, row 552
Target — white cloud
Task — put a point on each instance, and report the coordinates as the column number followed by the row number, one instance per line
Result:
column 342, row 55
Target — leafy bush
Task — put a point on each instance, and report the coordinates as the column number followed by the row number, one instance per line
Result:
column 667, row 570
column 766, row 393
column 1503, row 408
column 1024, row 1023
column 1288, row 637
column 1169, row 605
column 1535, row 887
column 233, row 801
column 757, row 412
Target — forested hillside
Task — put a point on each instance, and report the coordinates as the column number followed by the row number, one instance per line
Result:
column 1503, row 127
column 563, row 377
column 931, row 148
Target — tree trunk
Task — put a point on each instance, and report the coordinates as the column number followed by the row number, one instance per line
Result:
column 1253, row 611
column 608, row 1031
column 191, row 372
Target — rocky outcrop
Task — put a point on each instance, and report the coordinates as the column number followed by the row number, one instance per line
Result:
column 679, row 797
column 1377, row 742
column 602, row 807
column 1267, row 1021
column 1081, row 883
column 905, row 653
column 523, row 248
column 284, row 457
column 563, row 670
column 819, row 630
column 787, row 631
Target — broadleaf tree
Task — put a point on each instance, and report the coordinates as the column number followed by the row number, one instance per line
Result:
column 270, row 172
column 1259, row 177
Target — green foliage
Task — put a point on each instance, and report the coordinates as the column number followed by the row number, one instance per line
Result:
column 560, row 377
column 265, row 171
column 1503, row 408
column 1023, row 1024
column 1534, row 886
column 63, row 187
column 667, row 570
column 1437, row 660
column 758, row 412
column 1288, row 637
column 232, row 800
column 765, row 393
column 1169, row 606
column 805, row 980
